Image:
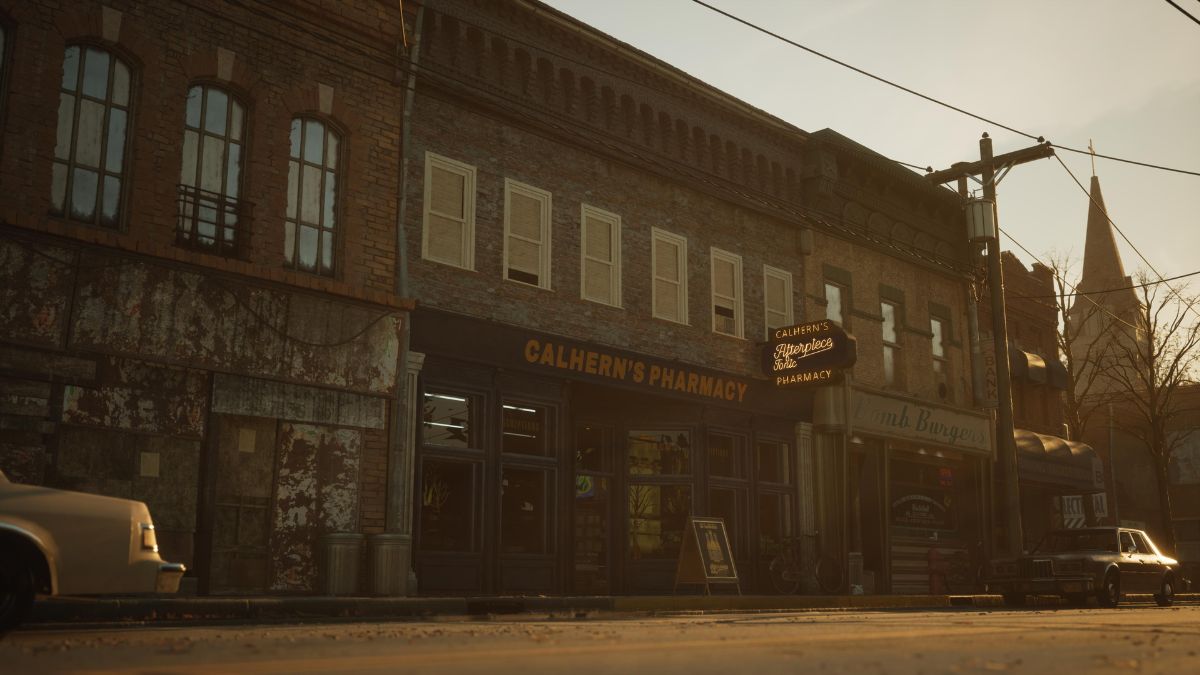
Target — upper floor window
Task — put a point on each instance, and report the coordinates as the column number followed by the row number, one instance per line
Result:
column 449, row 227
column 777, row 299
column 726, row 292
column 600, row 272
column 938, row 328
column 309, row 228
column 668, row 256
column 211, row 171
column 833, row 303
column 890, row 342
column 526, row 234
column 88, row 175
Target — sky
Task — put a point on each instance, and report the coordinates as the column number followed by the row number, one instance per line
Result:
column 1124, row 74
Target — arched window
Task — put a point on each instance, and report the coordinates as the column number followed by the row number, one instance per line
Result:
column 311, row 220
column 92, row 147
column 211, row 172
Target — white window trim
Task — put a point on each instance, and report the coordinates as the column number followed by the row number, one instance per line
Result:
column 586, row 211
column 543, row 197
column 657, row 235
column 468, row 173
column 739, row 301
column 789, row 313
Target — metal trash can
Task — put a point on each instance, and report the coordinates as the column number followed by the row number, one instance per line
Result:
column 343, row 553
column 390, row 556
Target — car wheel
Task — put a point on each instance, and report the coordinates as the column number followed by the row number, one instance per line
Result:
column 1109, row 594
column 1014, row 599
column 16, row 590
column 1166, row 594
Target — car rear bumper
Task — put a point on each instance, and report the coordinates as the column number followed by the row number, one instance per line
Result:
column 169, row 576
column 1047, row 585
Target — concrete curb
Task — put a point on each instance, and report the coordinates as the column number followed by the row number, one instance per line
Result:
column 151, row 609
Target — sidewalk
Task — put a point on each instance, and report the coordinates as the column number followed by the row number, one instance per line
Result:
column 154, row 609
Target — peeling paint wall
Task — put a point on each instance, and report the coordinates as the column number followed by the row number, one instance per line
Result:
column 252, row 397
column 210, row 322
column 317, row 484
column 35, row 287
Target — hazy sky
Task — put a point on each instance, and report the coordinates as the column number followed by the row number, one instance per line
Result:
column 1125, row 73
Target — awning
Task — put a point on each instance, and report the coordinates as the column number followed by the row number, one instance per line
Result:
column 1027, row 365
column 1050, row 459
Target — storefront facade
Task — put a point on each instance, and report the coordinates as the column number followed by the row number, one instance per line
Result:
column 550, row 465
column 905, row 489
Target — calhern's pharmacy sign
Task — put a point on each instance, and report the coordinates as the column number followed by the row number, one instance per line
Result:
column 912, row 420
column 808, row 353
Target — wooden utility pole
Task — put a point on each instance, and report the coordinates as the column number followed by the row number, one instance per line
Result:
column 991, row 170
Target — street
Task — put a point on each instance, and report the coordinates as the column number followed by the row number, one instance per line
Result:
column 1138, row 638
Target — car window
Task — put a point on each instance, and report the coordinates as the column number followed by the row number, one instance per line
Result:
column 1143, row 547
column 1126, row 542
column 1064, row 542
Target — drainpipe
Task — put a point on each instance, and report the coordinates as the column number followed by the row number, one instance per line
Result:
column 393, row 555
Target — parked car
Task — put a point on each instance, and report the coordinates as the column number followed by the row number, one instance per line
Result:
column 1107, row 562
column 57, row 542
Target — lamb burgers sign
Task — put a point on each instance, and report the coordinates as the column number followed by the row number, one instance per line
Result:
column 809, row 353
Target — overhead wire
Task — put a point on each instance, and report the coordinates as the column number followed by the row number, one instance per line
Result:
column 1189, row 305
column 929, row 98
column 1183, row 11
column 1107, row 290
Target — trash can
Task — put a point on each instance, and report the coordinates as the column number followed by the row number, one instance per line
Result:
column 390, row 556
column 343, row 553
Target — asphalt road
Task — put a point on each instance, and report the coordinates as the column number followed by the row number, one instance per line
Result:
column 1133, row 639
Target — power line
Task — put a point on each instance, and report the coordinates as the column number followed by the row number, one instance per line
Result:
column 1098, row 205
column 1183, row 11
column 931, row 99
column 1107, row 290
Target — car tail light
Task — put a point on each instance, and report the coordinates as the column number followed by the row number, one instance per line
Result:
column 149, row 539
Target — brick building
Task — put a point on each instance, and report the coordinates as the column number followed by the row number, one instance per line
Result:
column 599, row 244
column 198, row 272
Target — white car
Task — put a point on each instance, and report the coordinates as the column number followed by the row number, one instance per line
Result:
column 56, row 542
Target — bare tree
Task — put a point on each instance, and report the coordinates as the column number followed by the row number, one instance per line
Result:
column 1157, row 357
column 1083, row 355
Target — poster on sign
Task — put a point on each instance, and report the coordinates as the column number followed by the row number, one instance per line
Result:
column 1072, row 510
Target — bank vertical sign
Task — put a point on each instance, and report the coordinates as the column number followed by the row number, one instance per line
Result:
column 808, row 353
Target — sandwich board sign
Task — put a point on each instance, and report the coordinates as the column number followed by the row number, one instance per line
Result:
column 705, row 556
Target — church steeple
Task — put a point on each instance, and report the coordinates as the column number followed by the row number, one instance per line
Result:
column 1102, row 266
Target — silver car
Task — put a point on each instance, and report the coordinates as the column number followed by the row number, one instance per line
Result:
column 57, row 542
column 1107, row 562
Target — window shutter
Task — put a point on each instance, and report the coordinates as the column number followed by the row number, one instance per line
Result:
column 446, row 196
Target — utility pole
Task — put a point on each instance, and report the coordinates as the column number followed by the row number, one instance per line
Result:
column 987, row 169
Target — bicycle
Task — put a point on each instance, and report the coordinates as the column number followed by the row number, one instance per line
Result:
column 787, row 568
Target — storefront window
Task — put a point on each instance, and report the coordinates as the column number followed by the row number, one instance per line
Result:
column 726, row 456
column 524, row 429
column 447, row 506
column 590, row 445
column 446, row 420
column 523, row 517
column 774, row 521
column 923, row 496
column 660, row 453
column 773, row 464
column 726, row 504
column 657, row 516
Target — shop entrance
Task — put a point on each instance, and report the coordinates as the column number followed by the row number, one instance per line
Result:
column 594, row 507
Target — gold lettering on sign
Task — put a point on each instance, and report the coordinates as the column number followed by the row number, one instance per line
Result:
column 624, row 369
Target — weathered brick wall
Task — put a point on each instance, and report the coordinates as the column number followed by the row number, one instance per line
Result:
column 274, row 61
column 373, row 480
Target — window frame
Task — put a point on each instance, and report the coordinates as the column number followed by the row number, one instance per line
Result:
column 587, row 211
column 841, row 304
column 545, row 202
column 329, row 129
column 103, row 171
column 894, row 344
column 242, row 227
column 681, row 293
column 716, row 256
column 469, row 175
column 789, row 317
column 7, row 35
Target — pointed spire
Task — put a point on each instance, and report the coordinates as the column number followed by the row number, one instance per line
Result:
column 1102, row 266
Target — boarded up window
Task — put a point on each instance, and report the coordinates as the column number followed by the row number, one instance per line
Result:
column 527, row 234
column 449, row 211
column 601, row 266
column 668, row 254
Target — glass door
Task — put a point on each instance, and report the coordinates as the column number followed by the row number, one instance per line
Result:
column 592, row 518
